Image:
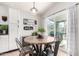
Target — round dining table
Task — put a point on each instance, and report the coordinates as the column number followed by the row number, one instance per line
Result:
column 39, row 42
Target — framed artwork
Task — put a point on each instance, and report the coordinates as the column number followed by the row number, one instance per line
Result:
column 28, row 28
column 29, row 24
column 29, row 21
column 25, row 21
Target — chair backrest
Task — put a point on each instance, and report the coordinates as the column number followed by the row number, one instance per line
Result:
column 24, row 43
column 19, row 45
column 56, row 48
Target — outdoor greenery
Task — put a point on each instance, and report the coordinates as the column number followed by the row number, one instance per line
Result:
column 51, row 33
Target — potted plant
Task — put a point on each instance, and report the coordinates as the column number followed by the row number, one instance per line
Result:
column 34, row 33
column 41, row 31
column 4, row 28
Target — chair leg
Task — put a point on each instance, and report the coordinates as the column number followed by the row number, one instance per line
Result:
column 22, row 54
column 30, row 54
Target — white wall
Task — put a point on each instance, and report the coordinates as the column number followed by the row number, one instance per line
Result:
column 40, row 21
column 4, row 38
column 28, row 16
column 14, row 15
column 16, row 25
column 3, row 12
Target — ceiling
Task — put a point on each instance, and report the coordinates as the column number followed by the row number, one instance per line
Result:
column 26, row 6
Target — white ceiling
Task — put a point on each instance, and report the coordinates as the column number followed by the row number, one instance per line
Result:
column 26, row 6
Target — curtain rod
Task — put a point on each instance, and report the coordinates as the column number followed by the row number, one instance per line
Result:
column 61, row 10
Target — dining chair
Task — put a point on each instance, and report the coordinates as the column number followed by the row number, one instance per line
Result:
column 48, row 48
column 24, row 43
column 53, row 52
column 53, row 47
column 57, row 43
column 49, row 45
column 23, row 50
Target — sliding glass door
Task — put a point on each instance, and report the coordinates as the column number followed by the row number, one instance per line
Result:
column 61, row 30
column 56, row 27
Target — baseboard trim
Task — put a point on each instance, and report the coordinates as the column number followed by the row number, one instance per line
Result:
column 9, row 51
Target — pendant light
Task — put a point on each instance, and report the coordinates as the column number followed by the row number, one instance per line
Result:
column 34, row 9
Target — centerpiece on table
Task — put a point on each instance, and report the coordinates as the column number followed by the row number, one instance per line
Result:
column 41, row 31
column 34, row 33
